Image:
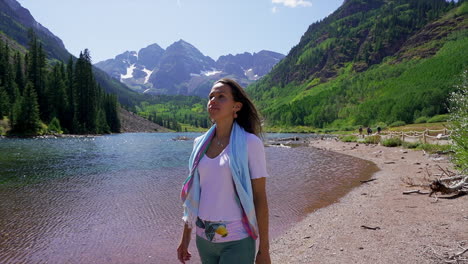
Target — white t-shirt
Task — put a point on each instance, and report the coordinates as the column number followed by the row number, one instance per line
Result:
column 218, row 195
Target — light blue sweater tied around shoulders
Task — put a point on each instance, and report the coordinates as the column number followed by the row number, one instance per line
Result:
column 239, row 165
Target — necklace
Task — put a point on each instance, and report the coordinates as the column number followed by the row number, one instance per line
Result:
column 218, row 142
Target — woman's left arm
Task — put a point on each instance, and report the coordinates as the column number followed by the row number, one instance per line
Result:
column 261, row 210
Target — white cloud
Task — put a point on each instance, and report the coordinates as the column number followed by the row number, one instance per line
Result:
column 292, row 3
column 274, row 10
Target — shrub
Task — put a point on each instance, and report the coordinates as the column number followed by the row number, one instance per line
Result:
column 348, row 128
column 420, row 120
column 459, row 122
column 438, row 118
column 463, row 9
column 382, row 125
column 349, row 138
column 391, row 142
column 372, row 139
column 397, row 124
column 54, row 126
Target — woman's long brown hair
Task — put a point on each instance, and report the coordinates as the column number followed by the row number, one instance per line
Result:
column 248, row 117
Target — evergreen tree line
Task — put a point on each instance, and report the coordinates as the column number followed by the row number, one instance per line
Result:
column 174, row 122
column 64, row 96
column 175, row 117
column 174, row 111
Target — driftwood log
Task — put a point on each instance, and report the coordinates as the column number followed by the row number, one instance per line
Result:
column 453, row 183
column 457, row 185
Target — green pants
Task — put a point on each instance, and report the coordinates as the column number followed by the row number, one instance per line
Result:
column 240, row 251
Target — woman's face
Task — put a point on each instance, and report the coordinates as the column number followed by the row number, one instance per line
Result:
column 221, row 104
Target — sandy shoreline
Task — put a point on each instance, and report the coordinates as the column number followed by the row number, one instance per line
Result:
column 412, row 228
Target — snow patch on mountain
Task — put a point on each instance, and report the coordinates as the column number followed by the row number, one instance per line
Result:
column 210, row 73
column 129, row 73
column 250, row 74
column 148, row 74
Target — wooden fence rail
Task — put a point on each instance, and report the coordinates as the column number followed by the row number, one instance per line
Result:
column 442, row 135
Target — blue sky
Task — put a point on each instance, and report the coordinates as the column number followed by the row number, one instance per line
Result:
column 215, row 27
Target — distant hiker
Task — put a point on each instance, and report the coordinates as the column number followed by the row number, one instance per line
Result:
column 369, row 131
column 378, row 130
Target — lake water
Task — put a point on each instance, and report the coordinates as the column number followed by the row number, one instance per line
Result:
column 115, row 199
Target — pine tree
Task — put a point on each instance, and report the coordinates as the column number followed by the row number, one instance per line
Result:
column 27, row 120
column 101, row 125
column 67, row 119
column 36, row 71
column 19, row 73
column 4, row 103
column 111, row 111
column 85, row 89
column 6, row 73
column 57, row 97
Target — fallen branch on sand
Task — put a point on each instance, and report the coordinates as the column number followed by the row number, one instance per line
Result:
column 415, row 191
column 368, row 180
column 371, row 228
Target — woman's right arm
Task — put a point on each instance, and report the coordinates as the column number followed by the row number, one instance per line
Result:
column 182, row 251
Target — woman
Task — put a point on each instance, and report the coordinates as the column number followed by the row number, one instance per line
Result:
column 224, row 195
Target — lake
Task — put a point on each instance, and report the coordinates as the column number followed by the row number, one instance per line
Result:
column 115, row 198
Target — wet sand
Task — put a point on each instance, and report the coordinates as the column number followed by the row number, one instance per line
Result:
column 410, row 228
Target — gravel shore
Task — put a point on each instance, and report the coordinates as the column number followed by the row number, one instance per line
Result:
column 375, row 222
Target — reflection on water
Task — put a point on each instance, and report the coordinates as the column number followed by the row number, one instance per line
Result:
column 115, row 199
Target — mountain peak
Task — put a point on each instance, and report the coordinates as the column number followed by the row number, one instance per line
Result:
column 181, row 44
column 153, row 46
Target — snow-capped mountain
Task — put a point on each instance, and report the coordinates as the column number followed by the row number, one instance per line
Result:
column 183, row 69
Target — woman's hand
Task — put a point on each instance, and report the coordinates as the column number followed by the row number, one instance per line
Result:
column 182, row 253
column 263, row 257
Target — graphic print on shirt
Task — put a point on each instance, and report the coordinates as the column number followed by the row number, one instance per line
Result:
column 211, row 228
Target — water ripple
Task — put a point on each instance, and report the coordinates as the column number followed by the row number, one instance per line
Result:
column 115, row 199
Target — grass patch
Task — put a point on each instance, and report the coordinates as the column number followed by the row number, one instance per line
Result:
column 432, row 148
column 289, row 129
column 411, row 145
column 372, row 139
column 397, row 124
column 392, row 142
column 349, row 138
column 420, row 127
column 422, row 119
column 190, row 128
column 438, row 118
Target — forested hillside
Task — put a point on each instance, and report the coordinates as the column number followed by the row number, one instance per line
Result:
column 370, row 61
column 39, row 96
